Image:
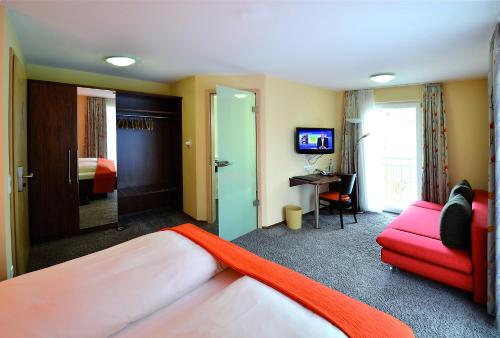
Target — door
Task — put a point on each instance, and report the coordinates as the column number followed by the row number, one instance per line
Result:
column 52, row 160
column 400, row 145
column 18, row 159
column 236, row 162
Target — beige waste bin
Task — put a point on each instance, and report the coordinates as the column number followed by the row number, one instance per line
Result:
column 293, row 216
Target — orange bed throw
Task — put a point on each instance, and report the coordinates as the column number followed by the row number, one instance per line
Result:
column 353, row 317
column 105, row 176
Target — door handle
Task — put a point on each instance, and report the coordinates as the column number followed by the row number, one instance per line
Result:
column 21, row 178
column 69, row 166
column 221, row 164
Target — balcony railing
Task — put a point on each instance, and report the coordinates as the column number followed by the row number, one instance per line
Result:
column 400, row 182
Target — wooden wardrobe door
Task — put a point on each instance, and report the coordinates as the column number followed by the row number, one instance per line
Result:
column 52, row 139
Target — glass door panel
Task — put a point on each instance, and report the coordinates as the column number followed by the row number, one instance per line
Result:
column 236, row 162
column 401, row 154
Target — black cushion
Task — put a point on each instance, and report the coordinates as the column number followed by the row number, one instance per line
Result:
column 454, row 223
column 463, row 188
column 465, row 182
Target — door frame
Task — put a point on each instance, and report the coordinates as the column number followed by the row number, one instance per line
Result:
column 210, row 155
column 15, row 268
column 12, row 165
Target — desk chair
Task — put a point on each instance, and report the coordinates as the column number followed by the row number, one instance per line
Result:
column 339, row 196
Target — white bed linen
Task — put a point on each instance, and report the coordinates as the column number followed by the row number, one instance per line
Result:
column 86, row 168
column 99, row 294
column 180, row 309
column 245, row 309
column 86, row 176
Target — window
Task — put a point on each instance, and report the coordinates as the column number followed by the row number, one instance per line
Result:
column 401, row 153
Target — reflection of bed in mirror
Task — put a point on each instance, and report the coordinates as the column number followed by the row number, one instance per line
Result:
column 96, row 113
column 92, row 187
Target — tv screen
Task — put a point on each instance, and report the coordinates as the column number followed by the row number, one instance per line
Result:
column 314, row 140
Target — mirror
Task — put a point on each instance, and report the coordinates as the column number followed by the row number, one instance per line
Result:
column 96, row 111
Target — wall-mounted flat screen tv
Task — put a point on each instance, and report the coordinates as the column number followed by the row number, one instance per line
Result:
column 314, row 141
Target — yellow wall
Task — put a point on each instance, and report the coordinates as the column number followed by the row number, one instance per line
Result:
column 398, row 94
column 7, row 40
column 468, row 131
column 290, row 105
column 81, row 112
column 186, row 89
column 283, row 106
column 45, row 73
column 466, row 104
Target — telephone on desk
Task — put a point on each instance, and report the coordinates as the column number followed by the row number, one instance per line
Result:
column 323, row 172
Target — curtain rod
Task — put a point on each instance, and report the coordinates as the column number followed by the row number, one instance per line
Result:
column 414, row 84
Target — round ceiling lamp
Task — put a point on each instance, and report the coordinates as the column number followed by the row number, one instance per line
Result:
column 120, row 61
column 382, row 77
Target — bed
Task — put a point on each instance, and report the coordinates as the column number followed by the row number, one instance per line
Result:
column 86, row 168
column 96, row 178
column 182, row 282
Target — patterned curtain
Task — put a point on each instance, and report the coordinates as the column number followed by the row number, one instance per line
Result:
column 435, row 186
column 350, row 132
column 96, row 127
column 493, row 254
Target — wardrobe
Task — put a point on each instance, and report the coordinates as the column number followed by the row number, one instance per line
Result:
column 148, row 165
column 149, row 154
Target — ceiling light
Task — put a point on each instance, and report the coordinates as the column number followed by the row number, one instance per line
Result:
column 383, row 77
column 240, row 95
column 120, row 61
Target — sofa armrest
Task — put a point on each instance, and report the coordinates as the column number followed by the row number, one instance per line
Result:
column 479, row 244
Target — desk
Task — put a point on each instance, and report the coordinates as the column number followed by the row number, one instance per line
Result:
column 322, row 180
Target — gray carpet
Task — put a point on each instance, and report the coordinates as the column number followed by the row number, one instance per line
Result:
column 47, row 254
column 348, row 260
column 99, row 211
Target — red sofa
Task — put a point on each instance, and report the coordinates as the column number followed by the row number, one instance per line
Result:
column 412, row 243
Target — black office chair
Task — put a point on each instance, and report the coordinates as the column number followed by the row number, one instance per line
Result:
column 339, row 196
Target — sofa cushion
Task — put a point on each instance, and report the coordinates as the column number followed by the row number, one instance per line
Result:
column 428, row 205
column 454, row 223
column 464, row 190
column 418, row 221
column 426, row 249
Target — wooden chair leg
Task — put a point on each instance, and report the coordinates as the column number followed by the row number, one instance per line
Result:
column 341, row 218
column 331, row 207
column 354, row 214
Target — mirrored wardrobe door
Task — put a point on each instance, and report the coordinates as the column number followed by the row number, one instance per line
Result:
column 97, row 169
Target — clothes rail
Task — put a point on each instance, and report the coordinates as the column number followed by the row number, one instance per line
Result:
column 143, row 116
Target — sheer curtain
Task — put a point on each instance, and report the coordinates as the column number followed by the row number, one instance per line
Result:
column 370, row 166
column 111, row 129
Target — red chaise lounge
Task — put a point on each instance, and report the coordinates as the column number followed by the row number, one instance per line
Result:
column 412, row 243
